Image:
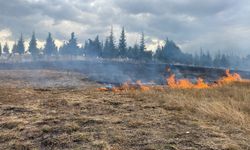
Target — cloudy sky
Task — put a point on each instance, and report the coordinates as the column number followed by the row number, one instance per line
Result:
column 193, row 24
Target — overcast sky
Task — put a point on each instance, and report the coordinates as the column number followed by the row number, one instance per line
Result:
column 193, row 24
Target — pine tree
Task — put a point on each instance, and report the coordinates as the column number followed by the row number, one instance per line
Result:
column 50, row 47
column 93, row 47
column 72, row 47
column 112, row 50
column 105, row 51
column 63, row 49
column 136, row 51
column 111, row 39
column 33, row 46
column 171, row 53
column 158, row 53
column 142, row 44
column 123, row 44
column 109, row 49
column 130, row 52
column 20, row 45
column 6, row 48
column 14, row 48
column 98, row 46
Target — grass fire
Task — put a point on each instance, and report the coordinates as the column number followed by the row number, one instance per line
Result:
column 52, row 109
column 124, row 75
column 173, row 83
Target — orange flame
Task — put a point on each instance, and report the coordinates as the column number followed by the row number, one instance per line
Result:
column 229, row 78
column 173, row 83
column 185, row 84
column 201, row 84
column 141, row 86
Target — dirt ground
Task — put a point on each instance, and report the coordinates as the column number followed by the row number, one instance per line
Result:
column 44, row 109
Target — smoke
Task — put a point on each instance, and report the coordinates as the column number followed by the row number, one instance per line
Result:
column 72, row 73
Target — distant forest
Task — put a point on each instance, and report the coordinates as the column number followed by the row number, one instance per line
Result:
column 94, row 48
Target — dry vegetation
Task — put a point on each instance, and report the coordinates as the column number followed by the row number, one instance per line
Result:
column 81, row 117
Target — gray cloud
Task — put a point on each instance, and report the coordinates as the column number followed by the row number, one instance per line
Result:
column 213, row 25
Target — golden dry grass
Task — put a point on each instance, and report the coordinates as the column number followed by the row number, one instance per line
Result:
column 82, row 117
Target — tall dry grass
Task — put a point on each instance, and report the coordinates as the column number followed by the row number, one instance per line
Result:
column 227, row 104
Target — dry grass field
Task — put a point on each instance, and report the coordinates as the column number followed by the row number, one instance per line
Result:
column 59, row 110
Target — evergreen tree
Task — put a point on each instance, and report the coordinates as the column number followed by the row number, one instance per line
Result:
column 70, row 48
column 93, row 47
column 98, row 46
column 142, row 45
column 6, row 48
column 136, row 52
column 14, row 48
column 85, row 48
column 33, row 46
column 105, row 52
column 63, row 49
column 171, row 53
column 123, row 44
column 111, row 48
column 130, row 52
column 158, row 53
column 20, row 45
column 133, row 52
column 144, row 55
column 50, row 47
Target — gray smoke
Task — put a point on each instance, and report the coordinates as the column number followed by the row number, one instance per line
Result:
column 74, row 72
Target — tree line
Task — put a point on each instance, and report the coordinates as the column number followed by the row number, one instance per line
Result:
column 92, row 48
column 169, row 53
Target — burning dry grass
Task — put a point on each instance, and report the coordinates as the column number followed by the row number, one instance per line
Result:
column 173, row 83
column 84, row 118
column 200, row 84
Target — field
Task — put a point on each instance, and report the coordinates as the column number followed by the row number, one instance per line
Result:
column 45, row 109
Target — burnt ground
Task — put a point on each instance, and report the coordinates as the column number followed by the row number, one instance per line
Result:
column 44, row 109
